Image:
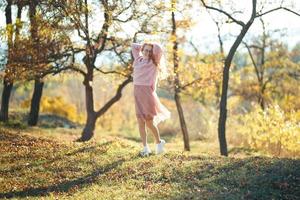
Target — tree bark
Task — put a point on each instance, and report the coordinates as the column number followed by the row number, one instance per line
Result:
column 7, row 83
column 35, row 102
column 7, row 87
column 177, row 87
column 88, row 131
column 184, row 130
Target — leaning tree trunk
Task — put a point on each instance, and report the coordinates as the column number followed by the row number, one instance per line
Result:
column 35, row 102
column 177, row 87
column 7, row 83
column 182, row 123
column 223, row 102
column 92, row 116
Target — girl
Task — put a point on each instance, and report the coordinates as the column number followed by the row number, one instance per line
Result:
column 149, row 110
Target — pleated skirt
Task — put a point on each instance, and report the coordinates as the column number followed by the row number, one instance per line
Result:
column 148, row 105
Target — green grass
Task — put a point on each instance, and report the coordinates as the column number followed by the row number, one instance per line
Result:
column 38, row 163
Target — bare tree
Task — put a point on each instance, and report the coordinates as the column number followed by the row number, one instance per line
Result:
column 114, row 14
column 272, row 67
column 228, row 59
column 177, row 83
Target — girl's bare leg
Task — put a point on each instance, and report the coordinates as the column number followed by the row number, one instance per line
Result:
column 142, row 129
column 154, row 130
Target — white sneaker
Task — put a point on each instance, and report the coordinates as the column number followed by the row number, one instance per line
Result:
column 160, row 147
column 146, row 151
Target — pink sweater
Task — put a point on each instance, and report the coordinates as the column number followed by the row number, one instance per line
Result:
column 144, row 71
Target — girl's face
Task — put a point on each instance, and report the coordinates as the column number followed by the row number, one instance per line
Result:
column 147, row 50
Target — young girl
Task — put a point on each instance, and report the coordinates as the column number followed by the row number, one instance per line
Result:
column 149, row 110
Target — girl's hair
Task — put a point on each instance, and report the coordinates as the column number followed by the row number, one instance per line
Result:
column 159, row 60
column 151, row 53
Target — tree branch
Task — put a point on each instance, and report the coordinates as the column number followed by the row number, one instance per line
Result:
column 275, row 9
column 190, row 83
column 111, row 72
column 223, row 12
column 115, row 98
column 253, row 61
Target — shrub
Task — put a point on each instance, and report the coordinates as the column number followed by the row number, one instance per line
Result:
column 271, row 130
column 58, row 106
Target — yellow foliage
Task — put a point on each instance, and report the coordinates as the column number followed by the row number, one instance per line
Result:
column 57, row 106
column 208, row 75
column 273, row 131
column 173, row 6
column 172, row 38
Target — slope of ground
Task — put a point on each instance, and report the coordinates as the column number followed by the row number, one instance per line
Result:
column 39, row 166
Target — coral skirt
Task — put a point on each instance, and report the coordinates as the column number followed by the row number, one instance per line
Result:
column 147, row 104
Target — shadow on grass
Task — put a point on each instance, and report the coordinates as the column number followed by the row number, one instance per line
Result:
column 66, row 185
column 243, row 150
column 83, row 149
column 132, row 138
column 250, row 178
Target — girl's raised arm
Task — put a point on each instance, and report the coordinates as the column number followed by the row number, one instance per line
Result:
column 135, row 49
column 157, row 52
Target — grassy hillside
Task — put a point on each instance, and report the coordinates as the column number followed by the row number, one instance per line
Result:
column 35, row 166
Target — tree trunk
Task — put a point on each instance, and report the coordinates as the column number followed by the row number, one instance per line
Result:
column 7, row 83
column 35, row 103
column 261, row 100
column 88, row 131
column 184, row 130
column 262, row 64
column 18, row 24
column 89, row 61
column 177, row 87
column 223, row 102
column 223, row 113
column 5, row 100
column 38, row 85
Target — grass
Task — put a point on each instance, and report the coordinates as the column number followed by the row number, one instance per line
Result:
column 44, row 164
